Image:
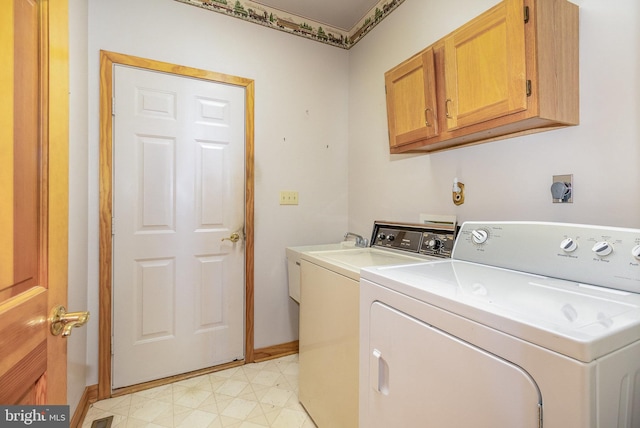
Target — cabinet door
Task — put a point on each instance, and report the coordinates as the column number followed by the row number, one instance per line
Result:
column 420, row 376
column 411, row 100
column 485, row 67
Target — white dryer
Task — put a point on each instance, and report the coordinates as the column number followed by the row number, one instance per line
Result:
column 528, row 325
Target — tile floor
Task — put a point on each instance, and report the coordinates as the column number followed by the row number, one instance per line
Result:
column 254, row 395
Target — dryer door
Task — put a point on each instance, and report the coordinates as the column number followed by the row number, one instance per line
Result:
column 422, row 376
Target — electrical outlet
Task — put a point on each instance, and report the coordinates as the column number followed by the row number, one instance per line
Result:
column 288, row 197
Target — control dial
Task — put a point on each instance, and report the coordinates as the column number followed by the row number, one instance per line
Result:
column 568, row 245
column 479, row 236
column 381, row 236
column 602, row 248
column 391, row 238
column 434, row 244
column 636, row 252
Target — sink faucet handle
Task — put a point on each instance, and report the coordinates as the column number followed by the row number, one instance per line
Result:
column 360, row 241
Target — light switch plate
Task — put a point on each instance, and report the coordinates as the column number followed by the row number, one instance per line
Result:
column 288, row 197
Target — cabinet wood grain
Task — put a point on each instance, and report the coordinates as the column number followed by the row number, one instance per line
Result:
column 511, row 71
column 411, row 100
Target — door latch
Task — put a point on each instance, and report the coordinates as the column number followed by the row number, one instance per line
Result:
column 235, row 237
column 63, row 321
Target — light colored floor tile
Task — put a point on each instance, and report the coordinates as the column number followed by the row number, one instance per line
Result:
column 149, row 410
column 239, row 408
column 289, row 419
column 198, row 419
column 267, row 377
column 250, row 396
column 191, row 397
column 276, row 397
column 232, row 387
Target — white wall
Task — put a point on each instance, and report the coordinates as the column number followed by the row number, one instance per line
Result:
column 509, row 179
column 300, row 134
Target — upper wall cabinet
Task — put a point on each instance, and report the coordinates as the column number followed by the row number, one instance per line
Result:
column 411, row 100
column 511, row 71
column 485, row 72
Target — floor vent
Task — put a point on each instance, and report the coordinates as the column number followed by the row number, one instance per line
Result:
column 102, row 423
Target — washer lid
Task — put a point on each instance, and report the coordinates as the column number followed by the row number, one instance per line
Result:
column 578, row 320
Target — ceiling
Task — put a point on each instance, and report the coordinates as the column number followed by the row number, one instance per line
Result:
column 339, row 14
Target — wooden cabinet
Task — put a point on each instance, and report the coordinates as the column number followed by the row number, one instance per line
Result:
column 411, row 100
column 511, row 71
column 485, row 74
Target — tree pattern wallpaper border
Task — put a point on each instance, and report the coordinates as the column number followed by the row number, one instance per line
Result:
column 279, row 20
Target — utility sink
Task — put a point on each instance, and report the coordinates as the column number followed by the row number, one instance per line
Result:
column 363, row 257
column 349, row 261
column 294, row 257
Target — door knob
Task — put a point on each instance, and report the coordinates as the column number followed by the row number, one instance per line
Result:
column 63, row 321
column 235, row 237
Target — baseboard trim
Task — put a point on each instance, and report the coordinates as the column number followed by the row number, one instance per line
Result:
column 275, row 351
column 89, row 396
column 167, row 380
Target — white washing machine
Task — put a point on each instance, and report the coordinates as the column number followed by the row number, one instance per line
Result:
column 528, row 325
column 329, row 313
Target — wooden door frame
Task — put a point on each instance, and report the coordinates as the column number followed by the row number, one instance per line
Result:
column 107, row 61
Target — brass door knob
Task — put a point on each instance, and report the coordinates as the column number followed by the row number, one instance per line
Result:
column 235, row 237
column 63, row 321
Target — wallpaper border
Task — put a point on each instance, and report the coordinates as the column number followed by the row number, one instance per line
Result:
column 282, row 21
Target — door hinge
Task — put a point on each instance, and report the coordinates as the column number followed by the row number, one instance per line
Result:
column 112, row 353
column 113, row 226
column 528, row 88
column 526, row 14
column 113, row 106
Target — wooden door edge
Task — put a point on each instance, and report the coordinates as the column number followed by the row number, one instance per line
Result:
column 57, row 193
column 107, row 61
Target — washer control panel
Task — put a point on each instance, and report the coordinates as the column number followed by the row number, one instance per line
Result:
column 414, row 238
column 437, row 244
column 598, row 255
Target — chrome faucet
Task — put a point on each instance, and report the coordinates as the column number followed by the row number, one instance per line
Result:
column 360, row 241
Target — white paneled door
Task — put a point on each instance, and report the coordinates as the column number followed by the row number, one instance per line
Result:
column 178, row 284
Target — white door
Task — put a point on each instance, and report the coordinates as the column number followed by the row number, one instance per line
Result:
column 420, row 376
column 178, row 287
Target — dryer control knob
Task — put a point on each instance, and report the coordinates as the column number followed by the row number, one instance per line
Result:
column 568, row 245
column 479, row 236
column 602, row 248
column 636, row 252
